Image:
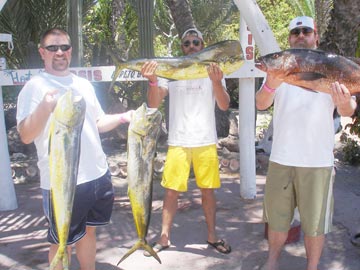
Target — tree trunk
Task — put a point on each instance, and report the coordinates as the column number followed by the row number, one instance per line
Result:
column 322, row 9
column 74, row 28
column 181, row 14
column 341, row 35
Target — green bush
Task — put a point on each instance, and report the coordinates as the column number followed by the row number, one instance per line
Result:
column 351, row 150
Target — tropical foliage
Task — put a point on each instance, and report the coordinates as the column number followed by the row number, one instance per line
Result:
column 114, row 24
column 26, row 20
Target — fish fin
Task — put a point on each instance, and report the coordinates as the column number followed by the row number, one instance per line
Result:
column 54, row 263
column 310, row 90
column 65, row 261
column 208, row 62
column 118, row 62
column 140, row 244
column 51, row 130
column 308, row 76
column 115, row 75
column 60, row 256
column 131, row 251
column 354, row 59
column 50, row 137
column 152, row 252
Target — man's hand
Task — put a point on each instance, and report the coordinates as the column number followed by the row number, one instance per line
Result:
column 30, row 127
column 340, row 94
column 148, row 71
column 126, row 116
column 274, row 82
column 342, row 99
column 49, row 101
column 215, row 72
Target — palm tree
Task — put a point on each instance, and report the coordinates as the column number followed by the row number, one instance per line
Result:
column 26, row 20
column 317, row 9
column 341, row 36
column 181, row 14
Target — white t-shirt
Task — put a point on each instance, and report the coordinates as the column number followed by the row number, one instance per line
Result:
column 192, row 113
column 92, row 162
column 303, row 128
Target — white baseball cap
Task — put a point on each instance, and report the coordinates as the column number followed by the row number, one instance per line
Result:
column 302, row 21
column 192, row 31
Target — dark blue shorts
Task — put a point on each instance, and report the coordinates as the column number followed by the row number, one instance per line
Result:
column 93, row 204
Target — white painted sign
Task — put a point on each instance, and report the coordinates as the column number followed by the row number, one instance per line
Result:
column 12, row 77
column 93, row 74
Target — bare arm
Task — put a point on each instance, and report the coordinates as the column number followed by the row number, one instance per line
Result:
column 265, row 97
column 110, row 121
column 155, row 94
column 343, row 101
column 221, row 95
column 30, row 127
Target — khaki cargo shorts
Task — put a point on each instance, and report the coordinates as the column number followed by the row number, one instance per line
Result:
column 309, row 189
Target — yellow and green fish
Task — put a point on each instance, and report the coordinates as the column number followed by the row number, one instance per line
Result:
column 227, row 54
column 143, row 132
column 64, row 153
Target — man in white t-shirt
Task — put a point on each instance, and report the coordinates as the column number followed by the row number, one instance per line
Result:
column 300, row 170
column 94, row 194
column 192, row 138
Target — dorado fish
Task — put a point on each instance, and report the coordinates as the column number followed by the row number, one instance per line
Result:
column 227, row 54
column 143, row 132
column 64, row 152
column 312, row 69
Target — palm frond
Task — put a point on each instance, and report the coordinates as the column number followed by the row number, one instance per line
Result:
column 303, row 7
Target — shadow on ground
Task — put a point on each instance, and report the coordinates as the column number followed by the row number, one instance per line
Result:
column 23, row 243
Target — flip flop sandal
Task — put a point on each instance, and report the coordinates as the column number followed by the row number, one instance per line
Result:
column 157, row 248
column 220, row 246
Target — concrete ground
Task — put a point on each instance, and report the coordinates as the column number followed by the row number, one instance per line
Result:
column 23, row 243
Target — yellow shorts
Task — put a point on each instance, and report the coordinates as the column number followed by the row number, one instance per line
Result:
column 309, row 189
column 205, row 164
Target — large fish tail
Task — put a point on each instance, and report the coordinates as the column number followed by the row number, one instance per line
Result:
column 140, row 244
column 117, row 71
column 60, row 256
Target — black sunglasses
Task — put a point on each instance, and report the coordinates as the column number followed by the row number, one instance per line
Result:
column 304, row 30
column 55, row 48
column 195, row 42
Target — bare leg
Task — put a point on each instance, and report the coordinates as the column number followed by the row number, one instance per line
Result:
column 86, row 249
column 209, row 207
column 52, row 252
column 168, row 214
column 276, row 242
column 313, row 247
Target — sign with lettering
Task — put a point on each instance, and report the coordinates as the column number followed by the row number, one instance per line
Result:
column 11, row 77
column 93, row 74
column 247, row 42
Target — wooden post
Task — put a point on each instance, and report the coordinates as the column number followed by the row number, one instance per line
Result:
column 247, row 119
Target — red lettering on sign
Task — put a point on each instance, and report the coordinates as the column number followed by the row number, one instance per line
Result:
column 82, row 74
column 250, row 39
column 97, row 75
column 249, row 51
column 91, row 75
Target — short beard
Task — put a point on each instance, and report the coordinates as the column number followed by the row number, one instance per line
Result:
column 60, row 67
